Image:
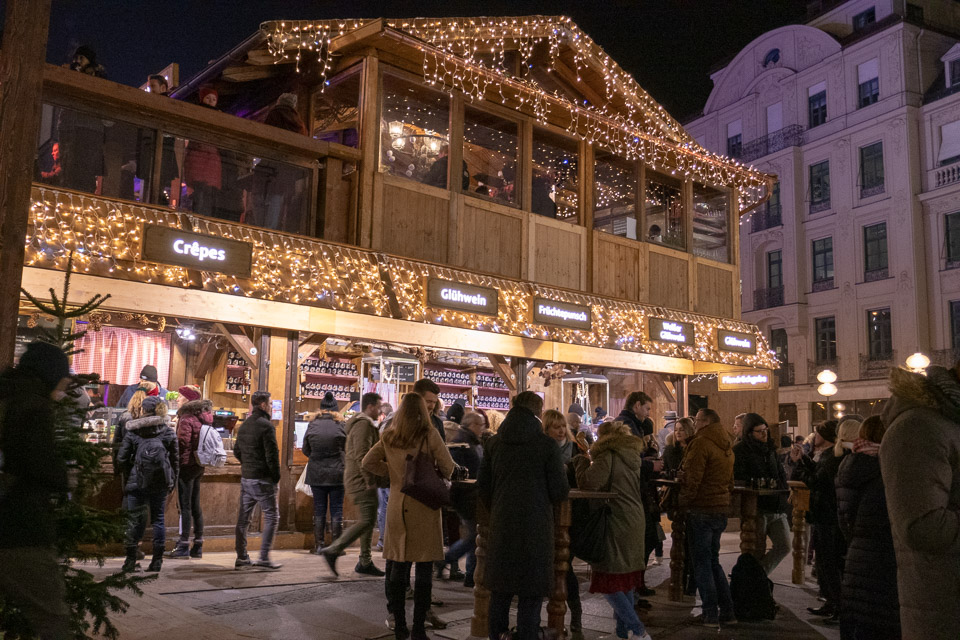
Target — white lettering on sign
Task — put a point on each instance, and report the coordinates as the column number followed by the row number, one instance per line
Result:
column 733, row 341
column 672, row 332
column 455, row 295
column 199, row 251
column 565, row 314
column 746, row 379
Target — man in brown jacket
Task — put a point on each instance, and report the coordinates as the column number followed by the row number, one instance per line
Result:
column 362, row 434
column 706, row 482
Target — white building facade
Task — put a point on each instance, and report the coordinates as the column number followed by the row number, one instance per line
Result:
column 854, row 264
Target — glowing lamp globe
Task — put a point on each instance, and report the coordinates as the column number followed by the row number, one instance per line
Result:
column 918, row 362
column 827, row 377
column 827, row 389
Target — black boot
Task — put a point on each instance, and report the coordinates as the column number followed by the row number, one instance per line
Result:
column 398, row 608
column 196, row 551
column 182, row 550
column 421, row 604
column 130, row 563
column 157, row 560
column 319, row 531
column 337, row 528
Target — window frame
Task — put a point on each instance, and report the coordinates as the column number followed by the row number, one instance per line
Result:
column 952, row 259
column 735, row 146
column 638, row 200
column 770, row 263
column 880, row 344
column 875, row 175
column 954, row 310
column 864, row 19
column 868, row 92
column 518, row 186
column 880, row 253
column 550, row 131
column 821, row 184
column 817, row 109
column 954, row 72
column 825, row 339
column 826, row 253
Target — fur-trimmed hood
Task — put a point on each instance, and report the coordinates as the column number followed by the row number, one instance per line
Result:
column 939, row 391
column 629, row 448
column 194, row 407
column 147, row 426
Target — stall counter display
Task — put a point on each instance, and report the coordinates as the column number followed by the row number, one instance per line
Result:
column 491, row 392
column 339, row 377
column 238, row 374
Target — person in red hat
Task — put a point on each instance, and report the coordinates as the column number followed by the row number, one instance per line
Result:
column 191, row 416
column 202, row 170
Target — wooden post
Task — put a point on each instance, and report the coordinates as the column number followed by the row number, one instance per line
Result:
column 678, row 527
column 748, row 521
column 557, row 606
column 800, row 499
column 480, row 622
column 21, row 77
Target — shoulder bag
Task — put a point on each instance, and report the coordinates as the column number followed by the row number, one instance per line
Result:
column 422, row 481
column 588, row 529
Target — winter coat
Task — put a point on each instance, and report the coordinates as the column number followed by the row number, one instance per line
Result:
column 617, row 463
column 324, row 444
column 32, row 470
column 521, row 479
column 672, row 458
column 414, row 530
column 920, row 464
column 639, row 428
column 190, row 420
column 362, row 434
column 753, row 459
column 869, row 593
column 202, row 165
column 464, row 496
column 708, row 471
column 450, row 429
column 138, row 431
column 820, row 478
column 256, row 448
column 132, row 389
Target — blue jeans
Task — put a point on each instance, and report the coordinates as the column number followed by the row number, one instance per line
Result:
column 138, row 502
column 331, row 495
column 465, row 546
column 384, row 495
column 703, row 531
column 626, row 615
column 252, row 493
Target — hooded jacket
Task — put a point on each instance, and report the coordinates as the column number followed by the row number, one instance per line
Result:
column 464, row 496
column 361, row 434
column 324, row 444
column 256, row 448
column 708, row 471
column 32, row 470
column 139, row 430
column 190, row 420
column 755, row 459
column 920, row 465
column 521, row 479
column 820, row 477
column 617, row 463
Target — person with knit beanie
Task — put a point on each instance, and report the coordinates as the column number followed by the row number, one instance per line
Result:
column 191, row 416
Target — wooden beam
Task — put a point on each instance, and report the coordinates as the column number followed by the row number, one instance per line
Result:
column 570, row 76
column 355, row 37
column 664, row 389
column 21, row 77
column 206, row 358
column 309, row 345
column 502, row 368
column 240, row 342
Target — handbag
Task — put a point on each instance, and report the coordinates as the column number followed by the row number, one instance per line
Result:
column 588, row 529
column 422, row 481
column 302, row 485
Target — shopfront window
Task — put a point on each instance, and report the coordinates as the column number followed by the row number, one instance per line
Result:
column 711, row 211
column 555, row 191
column 215, row 181
column 664, row 202
column 615, row 195
column 337, row 109
column 84, row 152
column 490, row 145
column 414, row 132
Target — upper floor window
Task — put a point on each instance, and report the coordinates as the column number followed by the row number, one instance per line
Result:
column 952, row 238
column 780, row 345
column 949, row 143
column 825, row 339
column 868, row 78
column 954, row 72
column 490, row 146
column 871, row 170
column 336, row 108
column 711, row 211
column 615, row 194
column 955, row 323
column 817, row 104
column 735, row 139
column 879, row 334
column 864, row 19
column 823, row 260
column 775, row 269
column 875, row 251
column 663, row 201
column 414, row 133
column 820, row 186
column 555, row 189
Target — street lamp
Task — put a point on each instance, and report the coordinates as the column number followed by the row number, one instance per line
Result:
column 826, row 378
column 918, row 363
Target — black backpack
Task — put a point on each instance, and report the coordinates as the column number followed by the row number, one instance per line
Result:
column 152, row 464
column 752, row 590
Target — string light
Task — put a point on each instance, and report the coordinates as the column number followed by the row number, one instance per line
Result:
column 106, row 236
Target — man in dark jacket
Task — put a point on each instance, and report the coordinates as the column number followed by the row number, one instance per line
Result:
column 150, row 457
column 464, row 496
column 430, row 392
column 191, row 416
column 324, row 444
column 706, row 482
column 31, row 474
column 148, row 373
column 755, row 462
column 819, row 472
column 256, row 449
column 362, row 434
column 521, row 479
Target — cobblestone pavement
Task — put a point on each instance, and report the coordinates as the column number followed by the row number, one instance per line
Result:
column 207, row 599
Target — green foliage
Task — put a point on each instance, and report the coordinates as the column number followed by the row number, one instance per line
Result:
column 79, row 527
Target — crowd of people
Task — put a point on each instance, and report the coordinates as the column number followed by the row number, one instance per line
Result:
column 884, row 508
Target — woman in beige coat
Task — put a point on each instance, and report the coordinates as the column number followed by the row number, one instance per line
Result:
column 414, row 530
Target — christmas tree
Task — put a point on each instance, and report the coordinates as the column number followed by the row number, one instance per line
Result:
column 80, row 528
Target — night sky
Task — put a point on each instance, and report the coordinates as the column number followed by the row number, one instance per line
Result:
column 668, row 45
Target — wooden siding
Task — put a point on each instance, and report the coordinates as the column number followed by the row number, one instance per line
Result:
column 616, row 267
column 557, row 251
column 491, row 241
column 713, row 287
column 668, row 278
column 414, row 224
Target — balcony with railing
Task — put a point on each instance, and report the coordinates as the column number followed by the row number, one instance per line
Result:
column 876, row 367
column 823, row 285
column 785, row 376
column 876, row 274
column 766, row 217
column 790, row 136
column 767, row 298
column 943, row 176
column 945, row 357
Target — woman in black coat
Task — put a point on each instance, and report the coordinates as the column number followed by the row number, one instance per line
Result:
column 324, row 444
column 871, row 606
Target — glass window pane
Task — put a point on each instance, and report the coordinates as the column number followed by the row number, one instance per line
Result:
column 774, row 269
column 953, row 237
column 615, row 195
column 664, row 202
column 879, row 334
column 82, row 151
column 711, row 212
column 222, row 183
column 414, row 132
column 826, row 339
column 955, row 323
column 875, row 247
column 555, row 192
column 490, row 146
column 337, row 109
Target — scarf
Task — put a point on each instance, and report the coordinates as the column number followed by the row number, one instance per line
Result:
column 866, row 447
column 946, row 388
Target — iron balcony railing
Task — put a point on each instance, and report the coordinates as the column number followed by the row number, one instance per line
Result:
column 766, row 217
column 785, row 377
column 790, row 136
column 768, row 298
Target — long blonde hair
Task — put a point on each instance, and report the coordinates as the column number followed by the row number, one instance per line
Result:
column 552, row 418
column 848, row 431
column 135, row 406
column 494, row 418
column 410, row 423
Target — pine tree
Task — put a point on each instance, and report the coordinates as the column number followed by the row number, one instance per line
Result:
column 79, row 526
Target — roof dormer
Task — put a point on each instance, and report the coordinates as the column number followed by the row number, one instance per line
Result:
column 951, row 62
